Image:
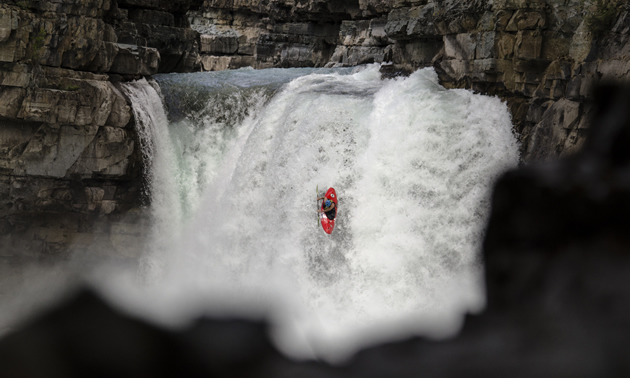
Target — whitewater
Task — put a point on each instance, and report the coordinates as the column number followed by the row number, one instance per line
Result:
column 233, row 160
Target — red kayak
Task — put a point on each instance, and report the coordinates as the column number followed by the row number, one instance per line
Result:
column 328, row 219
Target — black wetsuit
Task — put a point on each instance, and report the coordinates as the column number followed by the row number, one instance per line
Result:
column 330, row 214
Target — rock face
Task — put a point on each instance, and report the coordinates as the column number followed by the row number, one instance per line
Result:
column 68, row 159
column 557, row 278
column 70, row 174
column 541, row 56
column 99, row 35
column 64, row 120
column 556, row 248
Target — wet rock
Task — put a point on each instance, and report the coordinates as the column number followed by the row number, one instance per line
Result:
column 77, row 36
column 415, row 22
column 57, row 128
column 455, row 69
column 8, row 23
column 486, row 45
column 120, row 113
column 63, row 122
column 505, row 45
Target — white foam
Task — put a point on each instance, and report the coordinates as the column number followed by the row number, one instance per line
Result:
column 413, row 165
column 160, row 161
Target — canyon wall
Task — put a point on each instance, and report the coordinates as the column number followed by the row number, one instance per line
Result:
column 556, row 246
column 70, row 169
column 542, row 56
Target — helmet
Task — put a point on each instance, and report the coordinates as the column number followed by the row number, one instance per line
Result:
column 327, row 203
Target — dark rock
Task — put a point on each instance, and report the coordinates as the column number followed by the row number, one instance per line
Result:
column 146, row 16
column 219, row 44
column 86, row 337
column 528, row 45
column 553, row 129
column 132, row 59
column 526, row 20
column 413, row 54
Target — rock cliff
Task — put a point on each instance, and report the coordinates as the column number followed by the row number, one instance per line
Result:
column 66, row 134
column 541, row 56
column 556, row 246
column 70, row 172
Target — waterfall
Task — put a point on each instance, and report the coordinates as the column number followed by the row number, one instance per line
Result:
column 233, row 179
column 160, row 168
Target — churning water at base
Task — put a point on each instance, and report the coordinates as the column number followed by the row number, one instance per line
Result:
column 233, row 179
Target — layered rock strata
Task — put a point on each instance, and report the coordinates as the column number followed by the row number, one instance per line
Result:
column 541, row 56
column 70, row 172
column 68, row 162
column 59, row 60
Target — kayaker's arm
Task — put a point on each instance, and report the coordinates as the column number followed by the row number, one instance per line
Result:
column 332, row 206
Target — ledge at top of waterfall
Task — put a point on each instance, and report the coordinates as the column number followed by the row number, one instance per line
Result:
column 328, row 217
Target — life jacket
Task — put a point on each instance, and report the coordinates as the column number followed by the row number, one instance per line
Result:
column 332, row 204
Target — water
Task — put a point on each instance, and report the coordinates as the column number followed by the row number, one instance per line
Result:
column 233, row 172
